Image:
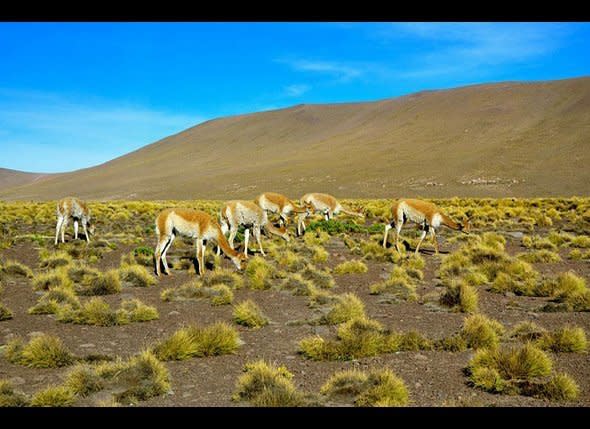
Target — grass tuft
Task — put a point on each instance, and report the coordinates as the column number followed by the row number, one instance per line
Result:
column 350, row 267
column 136, row 276
column 43, row 351
column 266, row 385
column 347, row 307
column 10, row 398
column 54, row 396
column 247, row 313
column 193, row 341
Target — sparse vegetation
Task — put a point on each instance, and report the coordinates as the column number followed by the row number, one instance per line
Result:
column 14, row 268
column 194, row 341
column 349, row 267
column 267, row 385
column 247, row 313
column 259, row 273
column 43, row 351
column 136, row 276
column 346, row 307
column 5, row 312
column 9, row 397
column 378, row 388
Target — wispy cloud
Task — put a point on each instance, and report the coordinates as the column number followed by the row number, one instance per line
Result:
column 48, row 132
column 338, row 70
column 296, row 90
column 467, row 47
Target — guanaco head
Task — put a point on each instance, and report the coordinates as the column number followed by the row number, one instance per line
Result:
column 90, row 227
column 284, row 233
column 465, row 226
column 239, row 261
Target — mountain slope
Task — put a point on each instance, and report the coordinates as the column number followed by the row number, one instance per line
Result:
column 506, row 139
column 11, row 178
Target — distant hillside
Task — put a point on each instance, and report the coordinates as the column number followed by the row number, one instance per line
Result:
column 505, row 139
column 11, row 178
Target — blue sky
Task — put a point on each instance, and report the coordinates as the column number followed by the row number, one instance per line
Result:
column 73, row 95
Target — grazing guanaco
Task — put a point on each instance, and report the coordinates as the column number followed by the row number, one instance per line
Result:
column 277, row 203
column 77, row 210
column 324, row 203
column 249, row 214
column 194, row 224
column 425, row 214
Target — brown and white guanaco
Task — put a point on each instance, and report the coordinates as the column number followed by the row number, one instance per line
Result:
column 76, row 209
column 428, row 215
column 194, row 224
column 251, row 215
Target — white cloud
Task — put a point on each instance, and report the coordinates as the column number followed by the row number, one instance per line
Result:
column 341, row 71
column 467, row 47
column 36, row 125
column 296, row 90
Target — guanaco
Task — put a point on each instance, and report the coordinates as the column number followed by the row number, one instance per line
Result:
column 76, row 209
column 194, row 224
column 324, row 203
column 423, row 213
column 277, row 203
column 238, row 212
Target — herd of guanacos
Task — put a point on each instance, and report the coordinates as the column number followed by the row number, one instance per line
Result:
column 202, row 227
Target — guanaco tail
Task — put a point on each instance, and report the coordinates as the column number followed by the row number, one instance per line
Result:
column 194, row 224
column 73, row 208
column 324, row 203
column 423, row 213
column 249, row 214
column 277, row 203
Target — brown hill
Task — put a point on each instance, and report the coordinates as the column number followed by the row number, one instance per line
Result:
column 11, row 178
column 505, row 139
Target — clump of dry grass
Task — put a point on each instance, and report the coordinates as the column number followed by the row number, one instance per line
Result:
column 136, row 276
column 50, row 302
column 578, row 255
column 97, row 283
column 505, row 369
column 14, row 268
column 319, row 254
column 399, row 284
column 52, row 279
column 298, row 285
column 376, row 252
column 350, row 267
column 527, row 331
column 259, row 273
column 568, row 339
column 561, row 388
column 247, row 313
column 219, row 293
column 481, row 332
column 320, row 278
column 53, row 396
column 54, row 260
column 83, row 380
column 537, row 242
column 194, row 341
column 347, row 307
column 98, row 312
column 569, row 290
column 43, row 351
column 461, row 297
column 316, row 238
column 267, row 385
column 9, row 397
column 540, row 256
column 223, row 276
column 5, row 312
column 378, row 388
column 291, row 262
column 361, row 337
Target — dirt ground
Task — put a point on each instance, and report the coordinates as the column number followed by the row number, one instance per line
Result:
column 433, row 378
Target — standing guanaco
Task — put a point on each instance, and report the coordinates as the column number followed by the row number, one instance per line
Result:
column 277, row 203
column 324, row 203
column 77, row 210
column 246, row 213
column 194, row 224
column 425, row 214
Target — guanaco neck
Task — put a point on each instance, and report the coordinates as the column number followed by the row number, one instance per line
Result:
column 447, row 221
column 224, row 244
